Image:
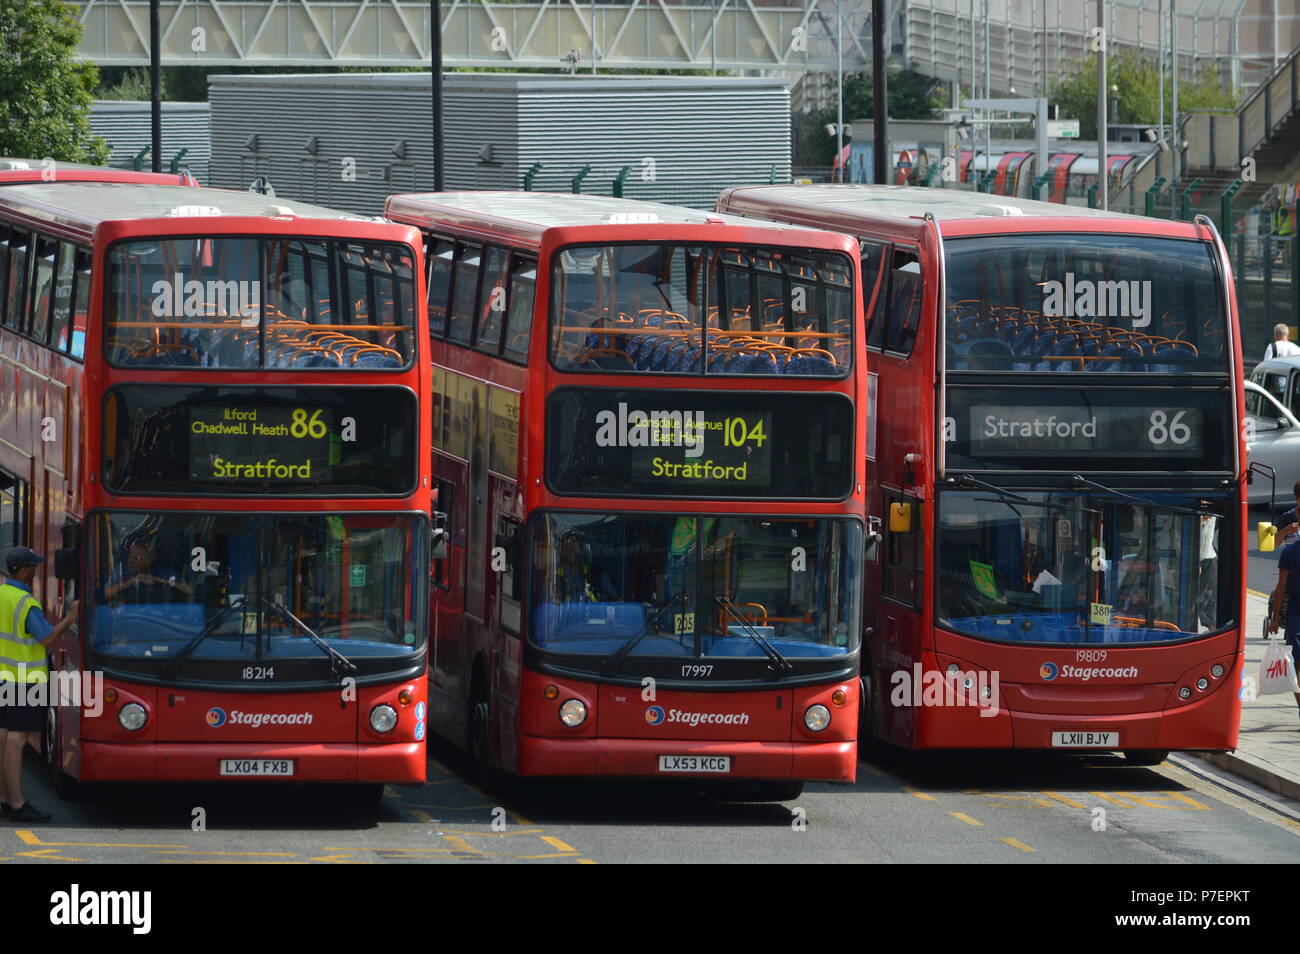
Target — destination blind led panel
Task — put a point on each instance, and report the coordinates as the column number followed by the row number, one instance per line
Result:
column 165, row 439
column 615, row 442
column 1119, row 429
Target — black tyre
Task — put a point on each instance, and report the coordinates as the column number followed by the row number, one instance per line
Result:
column 64, row 785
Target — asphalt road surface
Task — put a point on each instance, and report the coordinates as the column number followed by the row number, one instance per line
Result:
column 979, row 807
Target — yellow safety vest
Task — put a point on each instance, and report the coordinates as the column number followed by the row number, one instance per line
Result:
column 22, row 658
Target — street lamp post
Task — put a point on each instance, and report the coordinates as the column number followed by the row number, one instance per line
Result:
column 1102, row 178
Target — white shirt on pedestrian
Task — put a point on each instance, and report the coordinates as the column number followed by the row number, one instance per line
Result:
column 1281, row 349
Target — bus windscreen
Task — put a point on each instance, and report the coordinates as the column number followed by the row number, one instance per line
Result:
column 675, row 309
column 1084, row 303
column 611, row 442
column 260, row 303
column 169, row 439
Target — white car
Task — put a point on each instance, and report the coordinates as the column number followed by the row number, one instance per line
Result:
column 1272, row 438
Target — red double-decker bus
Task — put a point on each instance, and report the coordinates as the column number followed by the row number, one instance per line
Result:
column 649, row 466
column 217, row 415
column 1060, row 481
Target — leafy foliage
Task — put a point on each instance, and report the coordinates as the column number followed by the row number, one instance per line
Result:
column 1137, row 100
column 45, row 91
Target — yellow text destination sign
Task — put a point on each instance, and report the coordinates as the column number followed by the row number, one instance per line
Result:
column 260, row 444
column 673, row 443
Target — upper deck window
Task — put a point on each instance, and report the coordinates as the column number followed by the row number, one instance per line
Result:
column 260, row 303
column 676, row 309
column 1084, row 303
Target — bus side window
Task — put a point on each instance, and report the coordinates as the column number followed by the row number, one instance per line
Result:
column 80, row 305
column 19, row 244
column 13, row 511
column 492, row 303
column 902, row 570
column 519, row 319
column 874, row 283
column 511, row 541
column 62, row 322
column 464, row 295
column 440, row 258
column 41, row 295
column 904, row 302
column 442, row 508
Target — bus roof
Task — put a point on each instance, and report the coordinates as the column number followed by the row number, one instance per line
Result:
column 528, row 215
column 15, row 171
column 904, row 203
column 88, row 204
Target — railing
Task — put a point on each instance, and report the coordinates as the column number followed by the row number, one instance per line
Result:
column 1219, row 141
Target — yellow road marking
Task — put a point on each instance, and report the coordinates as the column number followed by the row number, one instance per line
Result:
column 423, row 816
column 1020, row 845
column 476, row 790
column 250, row 854
column 47, row 854
column 520, row 818
column 460, row 844
column 585, row 861
column 29, row 837
column 873, row 770
column 334, row 859
column 557, row 844
column 1011, row 797
column 495, row 834
column 208, row 861
column 962, row 816
column 1065, row 800
column 1257, row 593
column 921, row 795
column 539, row 857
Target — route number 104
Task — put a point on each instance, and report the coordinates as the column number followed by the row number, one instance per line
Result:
column 737, row 432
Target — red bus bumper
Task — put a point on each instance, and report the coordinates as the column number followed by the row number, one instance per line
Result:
column 639, row 758
column 396, row 762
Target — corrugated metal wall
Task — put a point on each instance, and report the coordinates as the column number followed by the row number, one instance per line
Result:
column 700, row 134
column 126, row 126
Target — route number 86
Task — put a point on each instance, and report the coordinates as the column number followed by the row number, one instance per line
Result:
column 1166, row 431
column 302, row 426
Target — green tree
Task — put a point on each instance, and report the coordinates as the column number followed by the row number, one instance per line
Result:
column 45, row 91
column 134, row 85
column 1137, row 98
column 909, row 95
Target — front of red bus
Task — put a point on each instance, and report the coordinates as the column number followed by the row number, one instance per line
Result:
column 694, row 545
column 1088, row 544
column 254, row 558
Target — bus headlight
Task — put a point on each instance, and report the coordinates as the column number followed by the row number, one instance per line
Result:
column 1184, row 693
column 1202, row 684
column 817, row 717
column 132, row 717
column 1216, row 671
column 383, row 718
column 573, row 713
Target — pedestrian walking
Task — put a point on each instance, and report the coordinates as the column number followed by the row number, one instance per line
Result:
column 1285, row 603
column 24, row 634
column 1281, row 346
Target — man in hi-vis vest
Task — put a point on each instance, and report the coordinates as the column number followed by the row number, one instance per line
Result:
column 24, row 634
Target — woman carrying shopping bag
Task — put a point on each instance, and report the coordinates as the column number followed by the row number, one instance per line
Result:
column 1277, row 671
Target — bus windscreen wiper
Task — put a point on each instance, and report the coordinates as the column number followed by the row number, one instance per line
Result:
column 616, row 658
column 1006, row 496
column 204, row 633
column 779, row 662
column 337, row 659
column 1081, row 481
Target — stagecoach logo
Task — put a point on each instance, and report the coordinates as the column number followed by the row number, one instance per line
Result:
column 216, row 717
column 655, row 715
column 1048, row 671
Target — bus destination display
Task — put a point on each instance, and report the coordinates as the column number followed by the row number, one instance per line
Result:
column 1169, row 431
column 699, row 444
column 259, row 444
